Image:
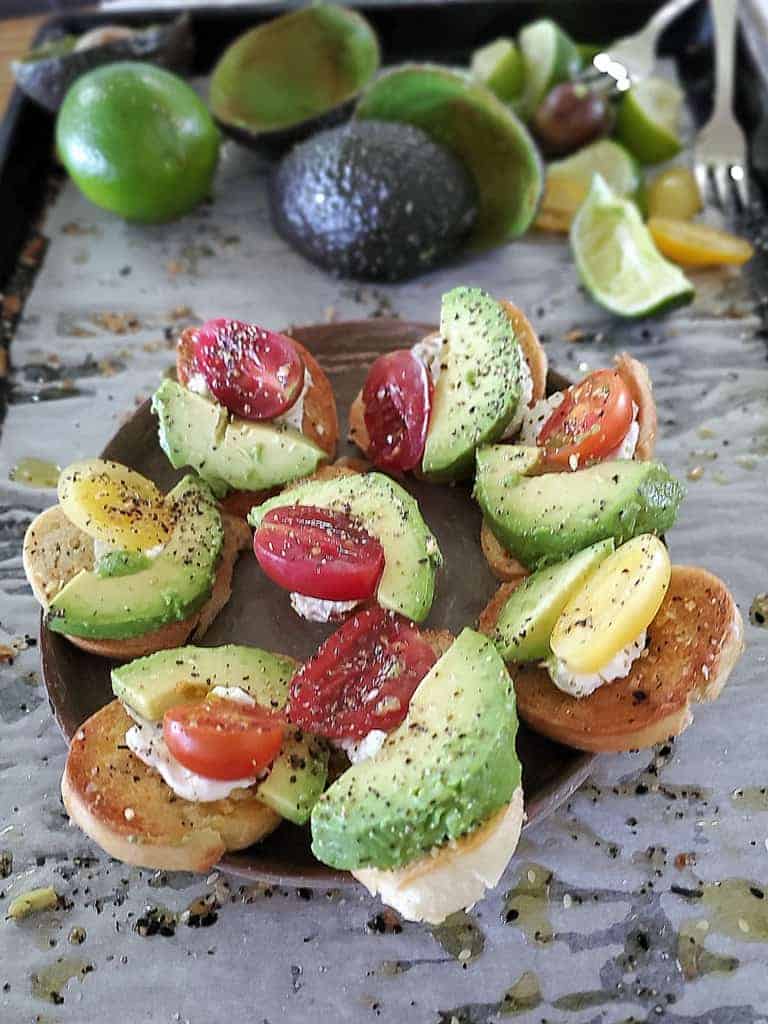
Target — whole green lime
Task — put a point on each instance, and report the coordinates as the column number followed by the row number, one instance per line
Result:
column 138, row 141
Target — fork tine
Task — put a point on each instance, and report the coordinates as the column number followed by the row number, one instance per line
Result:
column 740, row 186
column 700, row 173
column 721, row 184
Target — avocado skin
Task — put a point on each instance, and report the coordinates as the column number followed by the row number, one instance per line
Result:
column 395, row 203
column 440, row 775
column 545, row 519
column 166, row 679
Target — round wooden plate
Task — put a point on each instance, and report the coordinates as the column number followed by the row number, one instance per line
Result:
column 258, row 613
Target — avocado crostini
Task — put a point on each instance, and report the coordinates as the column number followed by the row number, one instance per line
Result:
column 123, row 570
column 250, row 410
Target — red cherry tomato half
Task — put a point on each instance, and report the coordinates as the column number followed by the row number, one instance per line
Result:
column 319, row 553
column 223, row 739
column 397, row 396
column 590, row 423
column 257, row 374
column 362, row 677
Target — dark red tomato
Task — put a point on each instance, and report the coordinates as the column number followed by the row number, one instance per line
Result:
column 590, row 423
column 319, row 553
column 223, row 739
column 257, row 374
column 397, row 396
column 362, row 677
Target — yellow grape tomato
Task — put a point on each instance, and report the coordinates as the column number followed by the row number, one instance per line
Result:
column 114, row 504
column 674, row 193
column 618, row 601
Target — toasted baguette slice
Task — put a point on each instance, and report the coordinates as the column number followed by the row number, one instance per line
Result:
column 320, row 421
column 55, row 550
column 532, row 350
column 693, row 644
column 452, row 877
column 129, row 811
column 504, row 566
column 635, row 375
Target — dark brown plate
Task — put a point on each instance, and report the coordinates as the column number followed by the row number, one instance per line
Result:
column 258, row 613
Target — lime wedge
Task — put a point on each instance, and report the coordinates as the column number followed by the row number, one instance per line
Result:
column 648, row 118
column 549, row 57
column 618, row 263
column 499, row 66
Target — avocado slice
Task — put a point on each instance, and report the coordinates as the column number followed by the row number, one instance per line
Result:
column 121, row 563
column 478, row 390
column 171, row 588
column 152, row 685
column 229, row 452
column 387, row 511
column 544, row 519
column 527, row 619
column 445, row 770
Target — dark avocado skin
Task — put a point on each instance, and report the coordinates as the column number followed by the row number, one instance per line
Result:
column 47, row 80
column 394, row 203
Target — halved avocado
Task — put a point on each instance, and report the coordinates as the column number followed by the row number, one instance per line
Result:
column 465, row 117
column 283, row 80
column 46, row 73
column 373, row 200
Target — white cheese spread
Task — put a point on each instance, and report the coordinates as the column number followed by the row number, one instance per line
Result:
column 316, row 610
column 428, row 352
column 583, row 684
column 534, row 419
column 526, row 394
column 361, row 750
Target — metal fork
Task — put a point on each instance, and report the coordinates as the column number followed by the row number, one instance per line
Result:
column 721, row 150
column 634, row 57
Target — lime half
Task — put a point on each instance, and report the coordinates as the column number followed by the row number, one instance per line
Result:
column 499, row 66
column 549, row 57
column 618, row 263
column 648, row 120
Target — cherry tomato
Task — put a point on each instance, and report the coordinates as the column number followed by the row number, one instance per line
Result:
column 397, row 396
column 362, row 677
column 590, row 423
column 258, row 374
column 318, row 552
column 223, row 739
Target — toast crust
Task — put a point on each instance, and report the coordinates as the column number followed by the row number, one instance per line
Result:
column 502, row 564
column 55, row 550
column 693, row 644
column 532, row 348
column 533, row 352
column 131, row 813
column 635, row 375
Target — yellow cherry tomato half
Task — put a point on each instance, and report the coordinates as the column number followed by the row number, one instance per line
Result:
column 698, row 245
column 114, row 504
column 618, row 601
column 674, row 193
